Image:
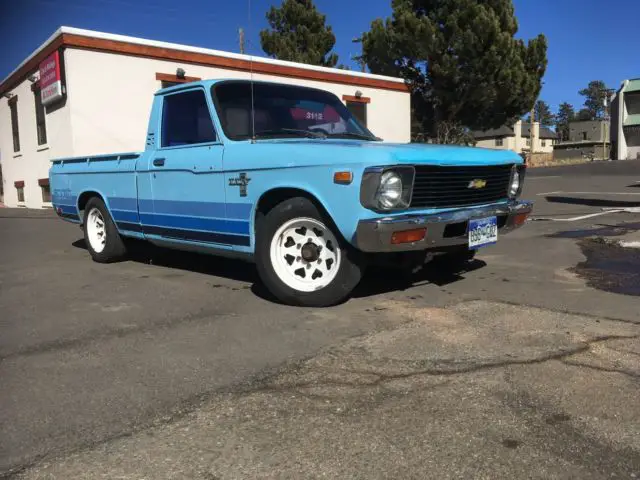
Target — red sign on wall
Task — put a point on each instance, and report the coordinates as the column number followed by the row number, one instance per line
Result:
column 50, row 79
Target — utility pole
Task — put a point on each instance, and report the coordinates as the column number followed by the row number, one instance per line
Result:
column 531, row 138
column 241, row 39
column 606, row 126
column 359, row 58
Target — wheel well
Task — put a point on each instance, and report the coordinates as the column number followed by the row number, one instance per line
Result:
column 273, row 197
column 84, row 198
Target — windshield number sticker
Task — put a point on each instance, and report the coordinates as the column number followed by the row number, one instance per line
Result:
column 315, row 116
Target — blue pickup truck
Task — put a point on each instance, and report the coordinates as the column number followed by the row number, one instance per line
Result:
column 285, row 176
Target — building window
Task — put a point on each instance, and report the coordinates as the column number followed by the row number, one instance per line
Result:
column 528, row 141
column 46, row 190
column 543, row 143
column 358, row 110
column 20, row 190
column 13, row 106
column 499, row 142
column 41, row 126
column 186, row 119
column 584, row 135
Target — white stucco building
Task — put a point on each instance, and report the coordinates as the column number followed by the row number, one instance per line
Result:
column 99, row 87
column 625, row 121
column 517, row 138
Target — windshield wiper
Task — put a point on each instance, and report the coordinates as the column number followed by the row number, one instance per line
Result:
column 353, row 135
column 277, row 131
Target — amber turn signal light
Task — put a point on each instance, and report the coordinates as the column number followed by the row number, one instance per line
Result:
column 520, row 219
column 343, row 178
column 408, row 236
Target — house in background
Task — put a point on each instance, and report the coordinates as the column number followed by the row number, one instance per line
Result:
column 517, row 138
column 625, row 121
column 588, row 138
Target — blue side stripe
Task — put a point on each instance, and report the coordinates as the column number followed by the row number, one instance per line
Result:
column 125, row 216
column 194, row 223
column 240, row 211
column 120, row 203
column 65, row 208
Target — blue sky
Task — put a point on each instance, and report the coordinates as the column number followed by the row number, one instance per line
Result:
column 588, row 39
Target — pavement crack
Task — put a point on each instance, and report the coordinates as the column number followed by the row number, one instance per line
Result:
column 601, row 369
column 106, row 334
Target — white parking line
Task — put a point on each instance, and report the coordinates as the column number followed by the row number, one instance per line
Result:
column 575, row 219
column 605, row 211
column 587, row 193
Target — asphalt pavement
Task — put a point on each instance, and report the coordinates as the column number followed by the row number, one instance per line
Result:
column 174, row 365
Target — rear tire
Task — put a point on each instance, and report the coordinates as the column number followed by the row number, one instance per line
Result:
column 302, row 259
column 100, row 233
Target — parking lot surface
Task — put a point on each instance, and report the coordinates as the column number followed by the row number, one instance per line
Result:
column 173, row 365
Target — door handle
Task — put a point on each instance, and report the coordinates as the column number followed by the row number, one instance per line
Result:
column 158, row 162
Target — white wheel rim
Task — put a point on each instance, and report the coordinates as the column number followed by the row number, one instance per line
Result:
column 96, row 231
column 299, row 268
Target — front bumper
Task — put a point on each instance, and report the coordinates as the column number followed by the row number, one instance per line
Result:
column 448, row 229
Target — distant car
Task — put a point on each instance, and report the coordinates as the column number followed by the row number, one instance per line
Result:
column 246, row 171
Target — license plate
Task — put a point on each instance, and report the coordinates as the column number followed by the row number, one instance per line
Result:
column 483, row 232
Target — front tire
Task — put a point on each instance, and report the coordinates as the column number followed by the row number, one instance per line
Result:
column 100, row 233
column 300, row 257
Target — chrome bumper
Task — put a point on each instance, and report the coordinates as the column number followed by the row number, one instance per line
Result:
column 447, row 229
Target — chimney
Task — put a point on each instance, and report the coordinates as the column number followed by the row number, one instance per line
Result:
column 517, row 130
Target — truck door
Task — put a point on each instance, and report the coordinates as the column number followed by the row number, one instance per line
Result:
column 187, row 182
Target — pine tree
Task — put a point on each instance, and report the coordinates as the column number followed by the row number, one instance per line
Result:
column 566, row 114
column 298, row 32
column 461, row 61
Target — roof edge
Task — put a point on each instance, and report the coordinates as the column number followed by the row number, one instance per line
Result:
column 114, row 43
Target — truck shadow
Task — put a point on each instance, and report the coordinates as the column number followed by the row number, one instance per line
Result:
column 592, row 202
column 376, row 281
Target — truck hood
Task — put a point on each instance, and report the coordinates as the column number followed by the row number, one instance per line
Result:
column 410, row 153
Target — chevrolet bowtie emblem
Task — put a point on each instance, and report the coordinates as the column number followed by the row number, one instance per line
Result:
column 477, row 183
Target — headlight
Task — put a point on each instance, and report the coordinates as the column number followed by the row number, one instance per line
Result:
column 390, row 190
column 387, row 188
column 514, row 189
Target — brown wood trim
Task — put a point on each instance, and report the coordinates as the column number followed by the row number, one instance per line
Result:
column 18, row 184
column 112, row 46
column 43, row 182
column 31, row 66
column 353, row 98
column 13, row 100
column 168, row 77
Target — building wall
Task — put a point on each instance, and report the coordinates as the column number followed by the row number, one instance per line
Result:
column 593, row 130
column 32, row 161
column 108, row 102
column 110, row 112
column 517, row 144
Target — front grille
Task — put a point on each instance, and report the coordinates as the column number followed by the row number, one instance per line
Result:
column 442, row 187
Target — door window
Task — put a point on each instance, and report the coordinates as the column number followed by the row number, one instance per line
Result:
column 186, row 119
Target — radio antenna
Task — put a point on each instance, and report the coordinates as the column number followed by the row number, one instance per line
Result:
column 253, row 114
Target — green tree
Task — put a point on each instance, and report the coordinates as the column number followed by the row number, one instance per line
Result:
column 566, row 114
column 585, row 114
column 298, row 32
column 594, row 97
column 543, row 114
column 461, row 61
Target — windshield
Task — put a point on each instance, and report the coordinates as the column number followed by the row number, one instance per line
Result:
column 283, row 111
